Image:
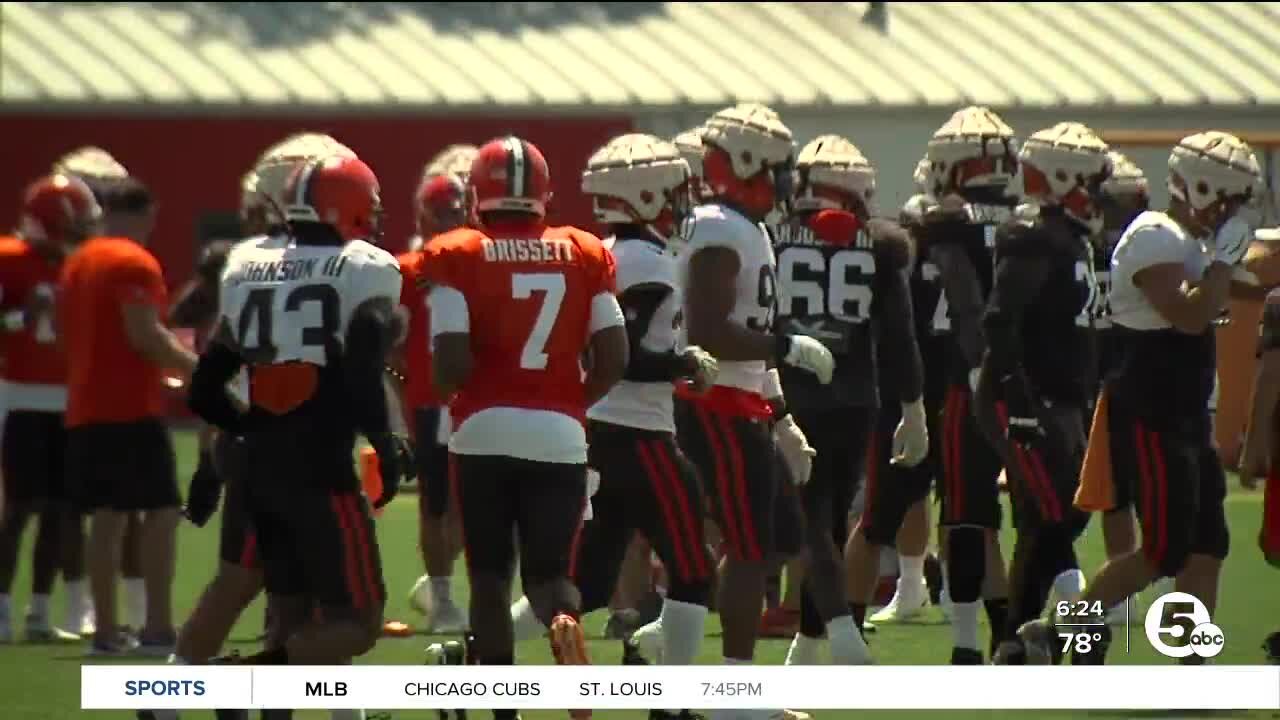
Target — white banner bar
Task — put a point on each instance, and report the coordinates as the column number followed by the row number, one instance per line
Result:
column 404, row 687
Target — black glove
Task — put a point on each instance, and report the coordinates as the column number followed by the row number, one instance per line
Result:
column 204, row 492
column 1024, row 419
column 395, row 463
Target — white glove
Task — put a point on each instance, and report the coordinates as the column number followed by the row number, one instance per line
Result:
column 806, row 353
column 593, row 485
column 975, row 375
column 1232, row 240
column 911, row 439
column 706, row 368
column 795, row 449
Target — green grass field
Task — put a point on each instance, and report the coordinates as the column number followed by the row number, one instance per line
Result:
column 42, row 682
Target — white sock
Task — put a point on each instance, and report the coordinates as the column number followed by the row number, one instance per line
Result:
column 682, row 629
column 441, row 591
column 135, row 602
column 6, row 605
column 346, row 714
column 1069, row 585
column 527, row 626
column 804, row 650
column 912, row 569
column 847, row 645
column 77, row 595
column 964, row 624
column 946, row 586
column 736, row 661
column 39, row 609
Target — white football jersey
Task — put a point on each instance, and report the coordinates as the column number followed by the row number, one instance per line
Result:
column 284, row 302
column 720, row 226
column 1151, row 239
column 645, row 405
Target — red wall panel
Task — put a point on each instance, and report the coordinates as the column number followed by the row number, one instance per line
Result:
column 194, row 163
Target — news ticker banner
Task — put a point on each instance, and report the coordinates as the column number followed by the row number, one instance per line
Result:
column 697, row 687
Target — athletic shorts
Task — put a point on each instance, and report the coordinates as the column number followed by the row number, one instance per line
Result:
column 33, row 453
column 505, row 502
column 646, row 485
column 317, row 544
column 736, row 460
column 1043, row 474
column 892, row 489
column 124, row 467
column 433, row 463
column 1179, row 489
column 237, row 544
column 970, row 466
column 839, row 435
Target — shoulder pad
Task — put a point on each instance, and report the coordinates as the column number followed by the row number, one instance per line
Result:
column 891, row 242
column 369, row 254
column 835, row 227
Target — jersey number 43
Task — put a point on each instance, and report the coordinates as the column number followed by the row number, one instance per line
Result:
column 300, row 325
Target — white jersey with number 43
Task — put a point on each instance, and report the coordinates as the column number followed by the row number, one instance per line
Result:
column 287, row 302
column 756, row 303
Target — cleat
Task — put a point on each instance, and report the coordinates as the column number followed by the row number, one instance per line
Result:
column 803, row 653
column 161, row 646
column 631, row 654
column 40, row 632
column 906, row 604
column 779, row 622
column 420, row 595
column 102, row 647
column 622, row 623
column 1271, row 645
column 1039, row 643
column 446, row 618
column 569, row 646
column 966, row 656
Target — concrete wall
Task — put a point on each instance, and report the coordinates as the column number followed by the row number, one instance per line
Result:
column 894, row 138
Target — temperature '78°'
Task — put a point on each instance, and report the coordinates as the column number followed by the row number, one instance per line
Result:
column 1082, row 642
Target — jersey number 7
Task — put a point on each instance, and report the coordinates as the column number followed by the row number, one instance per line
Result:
column 551, row 285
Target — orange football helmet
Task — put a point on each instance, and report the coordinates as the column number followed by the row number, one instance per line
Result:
column 338, row 191
column 58, row 209
column 510, row 174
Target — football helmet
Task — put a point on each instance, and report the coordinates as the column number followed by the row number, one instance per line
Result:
column 510, row 174
column 262, row 188
column 973, row 149
column 1126, row 177
column 689, row 143
column 455, row 160
column 747, row 158
column 637, row 178
column 440, row 204
column 920, row 176
column 832, row 173
column 1211, row 166
column 341, row 192
column 1065, row 165
column 58, row 209
column 90, row 163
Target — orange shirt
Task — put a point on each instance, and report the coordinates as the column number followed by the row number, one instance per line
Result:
column 529, row 293
column 31, row 356
column 107, row 380
column 419, row 392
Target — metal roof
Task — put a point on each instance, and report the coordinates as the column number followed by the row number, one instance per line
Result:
column 571, row 55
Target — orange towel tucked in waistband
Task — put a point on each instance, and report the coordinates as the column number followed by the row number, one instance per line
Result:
column 1097, row 491
column 371, row 478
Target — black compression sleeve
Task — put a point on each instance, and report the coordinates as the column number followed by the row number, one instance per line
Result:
column 207, row 396
column 1018, row 280
column 369, row 339
column 896, row 330
column 639, row 304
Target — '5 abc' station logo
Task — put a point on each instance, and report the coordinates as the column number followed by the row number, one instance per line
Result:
column 1188, row 626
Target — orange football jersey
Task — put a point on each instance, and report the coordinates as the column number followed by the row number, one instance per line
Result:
column 419, row 392
column 107, row 380
column 529, row 292
column 31, row 355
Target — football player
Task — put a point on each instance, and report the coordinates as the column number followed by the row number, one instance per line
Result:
column 1036, row 381
column 58, row 212
column 729, row 277
column 1170, row 278
column 513, row 309
column 842, row 278
column 120, row 457
column 897, row 498
column 972, row 158
column 440, row 206
column 310, row 313
column 1124, row 196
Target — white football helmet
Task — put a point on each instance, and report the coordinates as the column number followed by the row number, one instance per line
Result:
column 747, row 157
column 689, row 143
column 974, row 148
column 261, row 189
column 453, row 160
column 920, row 176
column 1126, row 177
column 638, row 178
column 90, row 163
column 1065, row 165
column 833, row 173
column 1211, row 166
